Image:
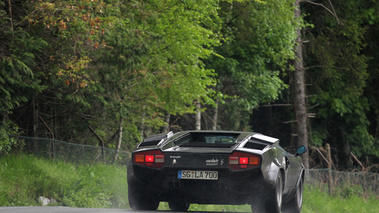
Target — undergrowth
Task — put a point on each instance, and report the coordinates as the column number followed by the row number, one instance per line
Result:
column 318, row 201
column 24, row 178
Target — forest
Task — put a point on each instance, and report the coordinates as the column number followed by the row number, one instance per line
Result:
column 303, row 71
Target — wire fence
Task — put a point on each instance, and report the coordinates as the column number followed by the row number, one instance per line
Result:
column 74, row 153
column 345, row 184
column 340, row 183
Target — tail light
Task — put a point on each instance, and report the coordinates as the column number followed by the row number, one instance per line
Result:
column 153, row 158
column 241, row 160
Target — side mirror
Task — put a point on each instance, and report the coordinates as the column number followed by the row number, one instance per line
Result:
column 301, row 150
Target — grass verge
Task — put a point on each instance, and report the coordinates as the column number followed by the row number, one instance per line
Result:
column 23, row 178
column 317, row 201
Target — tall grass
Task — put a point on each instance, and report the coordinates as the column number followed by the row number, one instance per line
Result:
column 317, row 201
column 23, row 178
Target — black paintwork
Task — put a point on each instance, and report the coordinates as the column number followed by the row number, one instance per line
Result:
column 232, row 187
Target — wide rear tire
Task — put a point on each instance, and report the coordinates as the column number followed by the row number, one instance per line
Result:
column 296, row 203
column 273, row 202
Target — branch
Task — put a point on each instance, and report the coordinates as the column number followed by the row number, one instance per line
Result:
column 287, row 122
column 327, row 9
column 356, row 159
column 311, row 107
column 333, row 10
column 26, row 18
column 47, row 126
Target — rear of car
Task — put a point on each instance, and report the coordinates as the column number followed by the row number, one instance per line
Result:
column 195, row 167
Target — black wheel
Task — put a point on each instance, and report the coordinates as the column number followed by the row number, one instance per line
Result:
column 180, row 206
column 273, row 202
column 295, row 204
column 140, row 199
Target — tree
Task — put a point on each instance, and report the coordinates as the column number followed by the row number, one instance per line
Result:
column 299, row 92
column 259, row 39
column 18, row 82
column 337, row 73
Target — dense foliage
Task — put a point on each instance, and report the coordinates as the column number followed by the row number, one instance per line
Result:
column 339, row 69
column 133, row 68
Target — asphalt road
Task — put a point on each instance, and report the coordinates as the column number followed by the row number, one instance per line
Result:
column 53, row 209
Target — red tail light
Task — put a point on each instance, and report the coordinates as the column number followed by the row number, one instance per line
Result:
column 149, row 158
column 244, row 160
column 241, row 160
column 153, row 158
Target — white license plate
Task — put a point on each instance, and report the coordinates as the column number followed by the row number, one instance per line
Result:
column 198, row 175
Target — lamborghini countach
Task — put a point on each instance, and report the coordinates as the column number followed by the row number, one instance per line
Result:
column 215, row 167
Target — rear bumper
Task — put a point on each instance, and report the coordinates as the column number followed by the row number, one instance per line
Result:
column 232, row 187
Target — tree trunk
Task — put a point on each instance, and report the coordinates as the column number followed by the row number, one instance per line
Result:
column 215, row 116
column 377, row 125
column 35, row 118
column 10, row 14
column 142, row 124
column 299, row 92
column 34, row 147
column 167, row 121
column 346, row 151
column 330, row 173
column 119, row 140
column 198, row 115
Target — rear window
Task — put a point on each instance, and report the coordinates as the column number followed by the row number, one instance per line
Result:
column 208, row 140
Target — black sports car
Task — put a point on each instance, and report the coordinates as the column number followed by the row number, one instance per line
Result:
column 215, row 167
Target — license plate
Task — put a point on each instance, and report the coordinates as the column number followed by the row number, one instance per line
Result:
column 198, row 175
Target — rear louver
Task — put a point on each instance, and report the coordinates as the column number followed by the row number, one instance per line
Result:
column 255, row 145
column 150, row 143
column 155, row 139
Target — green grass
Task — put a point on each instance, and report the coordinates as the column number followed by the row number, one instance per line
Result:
column 316, row 201
column 23, row 178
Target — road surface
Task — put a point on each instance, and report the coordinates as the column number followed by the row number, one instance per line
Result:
column 60, row 209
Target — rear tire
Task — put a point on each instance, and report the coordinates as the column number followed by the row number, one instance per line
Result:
column 180, row 206
column 296, row 203
column 140, row 199
column 273, row 202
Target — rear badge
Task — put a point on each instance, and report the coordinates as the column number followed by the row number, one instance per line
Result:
column 213, row 162
column 174, row 162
